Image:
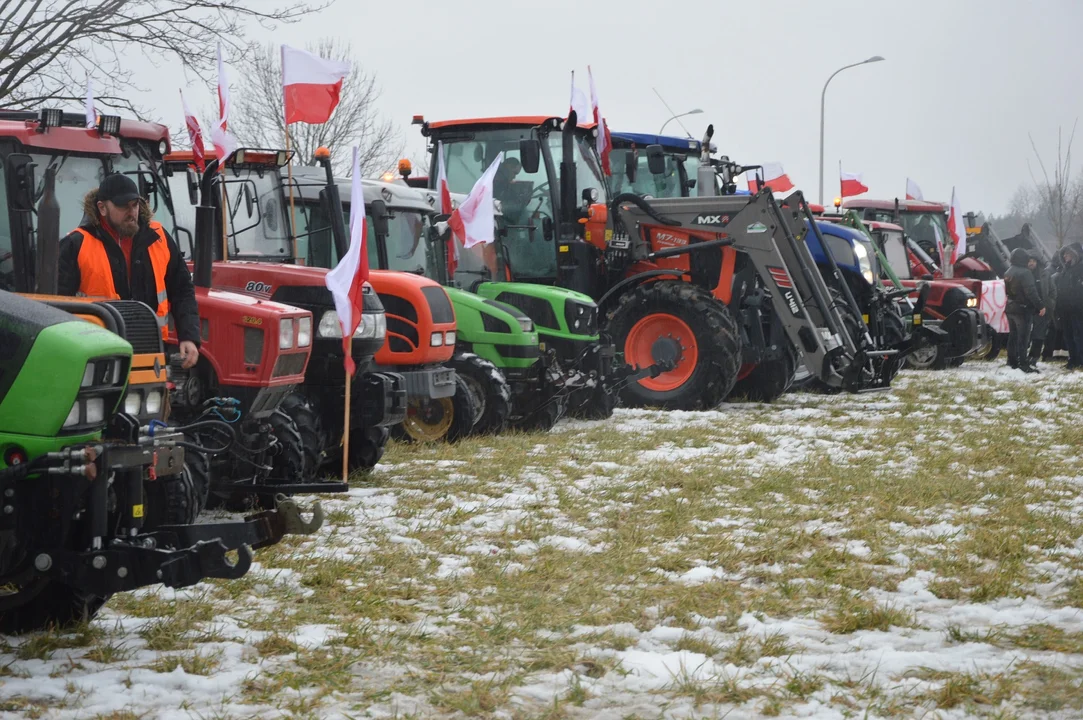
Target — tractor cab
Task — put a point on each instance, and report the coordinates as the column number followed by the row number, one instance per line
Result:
column 679, row 162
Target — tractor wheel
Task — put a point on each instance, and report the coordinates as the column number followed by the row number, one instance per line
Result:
column 490, row 390
column 926, row 358
column 769, row 380
column 179, row 499
column 540, row 420
column 310, row 427
column 855, row 326
column 44, row 603
column 436, row 419
column 366, row 448
column 592, row 403
column 991, row 349
column 896, row 332
column 684, row 324
column 289, row 464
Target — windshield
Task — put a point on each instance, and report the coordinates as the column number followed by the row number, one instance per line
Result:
column 666, row 185
column 406, row 246
column 895, row 252
column 925, row 228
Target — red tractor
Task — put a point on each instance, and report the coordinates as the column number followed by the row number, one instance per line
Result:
column 252, row 354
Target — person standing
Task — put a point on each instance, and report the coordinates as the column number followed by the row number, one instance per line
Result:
column 1043, row 325
column 119, row 252
column 1024, row 304
column 1069, row 282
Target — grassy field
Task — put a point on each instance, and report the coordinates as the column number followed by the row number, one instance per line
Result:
column 915, row 553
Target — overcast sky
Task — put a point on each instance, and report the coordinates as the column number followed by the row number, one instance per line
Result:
column 963, row 83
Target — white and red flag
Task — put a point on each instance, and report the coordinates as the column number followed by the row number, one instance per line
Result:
column 957, row 229
column 774, row 177
column 88, row 106
column 913, row 192
column 311, row 85
column 472, row 222
column 579, row 103
column 224, row 142
column 604, row 141
column 347, row 280
column 195, row 135
column 444, row 192
column 851, row 184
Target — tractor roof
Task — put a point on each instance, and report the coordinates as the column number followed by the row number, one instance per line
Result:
column 625, row 139
column 873, row 225
column 251, row 157
column 396, row 195
column 904, row 205
column 72, row 135
column 505, row 120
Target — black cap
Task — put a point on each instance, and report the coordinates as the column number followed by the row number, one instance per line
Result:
column 119, row 189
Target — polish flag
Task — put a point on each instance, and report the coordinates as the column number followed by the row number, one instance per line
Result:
column 957, row 229
column 347, row 281
column 940, row 251
column 472, row 222
column 579, row 103
column 446, row 209
column 224, row 142
column 311, row 85
column 604, row 141
column 195, row 135
column 913, row 192
column 774, row 177
column 852, row 184
column 88, row 106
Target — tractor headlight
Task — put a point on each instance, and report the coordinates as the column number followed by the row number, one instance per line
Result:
column 304, row 332
column 95, row 410
column 329, row 326
column 971, row 302
column 864, row 262
column 73, row 415
column 88, row 376
column 526, row 324
column 285, row 334
column 133, row 403
column 373, row 326
column 154, row 402
column 437, row 339
column 449, row 338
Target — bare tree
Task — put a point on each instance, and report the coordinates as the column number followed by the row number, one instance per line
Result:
column 258, row 118
column 50, row 48
column 1061, row 198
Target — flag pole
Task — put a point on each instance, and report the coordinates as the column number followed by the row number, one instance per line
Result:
column 293, row 211
column 346, row 435
column 225, row 217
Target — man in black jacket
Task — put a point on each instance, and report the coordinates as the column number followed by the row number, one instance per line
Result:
column 1043, row 324
column 1024, row 304
column 1069, row 282
column 121, row 253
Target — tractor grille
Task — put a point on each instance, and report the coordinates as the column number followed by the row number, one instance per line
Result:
column 140, row 325
column 537, row 309
column 439, row 304
column 289, row 365
column 395, row 305
column 582, row 318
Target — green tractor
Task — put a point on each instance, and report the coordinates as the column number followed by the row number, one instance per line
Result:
column 81, row 519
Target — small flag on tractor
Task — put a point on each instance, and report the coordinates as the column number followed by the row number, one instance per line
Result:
column 446, row 209
column 311, row 85
column 774, row 177
column 604, row 141
column 472, row 222
column 579, row 104
column 913, row 192
column 224, row 143
column 347, row 280
column 851, row 184
column 88, row 106
column 195, row 135
column 957, row 229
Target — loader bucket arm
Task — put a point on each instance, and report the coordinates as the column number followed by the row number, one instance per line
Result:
column 770, row 236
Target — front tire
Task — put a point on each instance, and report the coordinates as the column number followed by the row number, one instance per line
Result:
column 310, row 428
column 490, row 390
column 435, row 419
column 45, row 603
column 769, row 380
column 682, row 323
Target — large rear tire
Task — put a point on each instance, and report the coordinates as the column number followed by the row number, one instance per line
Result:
column 177, row 499
column 45, row 603
column 682, row 323
column 490, row 390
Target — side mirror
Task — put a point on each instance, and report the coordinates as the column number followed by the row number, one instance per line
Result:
column 530, row 155
column 691, row 183
column 656, row 160
column 249, row 199
column 631, row 164
column 547, row 229
column 193, row 186
column 378, row 209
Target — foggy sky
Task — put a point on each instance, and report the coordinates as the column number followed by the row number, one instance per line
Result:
column 963, row 81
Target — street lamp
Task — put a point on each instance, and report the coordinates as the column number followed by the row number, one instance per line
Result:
column 823, row 95
column 697, row 111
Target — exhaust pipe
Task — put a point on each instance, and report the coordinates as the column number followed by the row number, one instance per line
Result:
column 206, row 230
column 48, row 236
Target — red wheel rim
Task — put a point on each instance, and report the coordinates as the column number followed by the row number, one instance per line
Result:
column 662, row 327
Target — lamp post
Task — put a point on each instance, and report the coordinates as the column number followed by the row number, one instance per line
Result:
column 697, row 111
column 823, row 96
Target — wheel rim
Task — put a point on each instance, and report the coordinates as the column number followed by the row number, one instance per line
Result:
column 657, row 337
column 478, row 392
column 984, row 348
column 922, row 357
column 428, row 420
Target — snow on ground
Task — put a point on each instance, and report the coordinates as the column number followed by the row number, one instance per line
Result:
column 915, row 553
